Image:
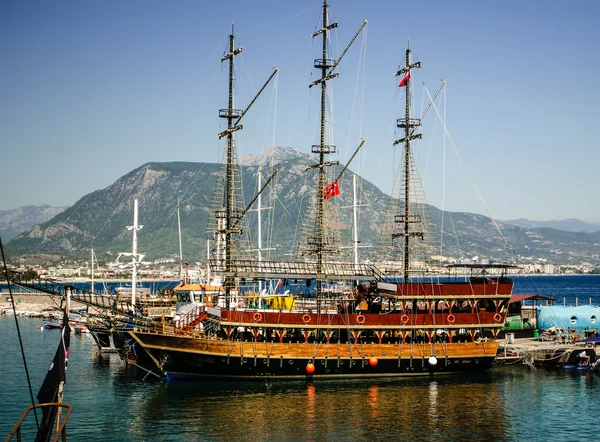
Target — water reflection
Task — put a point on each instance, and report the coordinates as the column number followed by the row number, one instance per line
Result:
column 114, row 402
column 456, row 409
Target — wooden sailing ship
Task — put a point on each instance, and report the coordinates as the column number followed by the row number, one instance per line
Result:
column 356, row 322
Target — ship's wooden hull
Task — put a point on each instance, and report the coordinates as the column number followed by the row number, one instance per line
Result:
column 201, row 358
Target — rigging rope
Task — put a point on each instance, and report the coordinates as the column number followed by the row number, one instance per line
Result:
column 470, row 176
column 12, row 299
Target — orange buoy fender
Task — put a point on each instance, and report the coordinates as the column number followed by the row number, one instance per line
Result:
column 310, row 368
column 373, row 361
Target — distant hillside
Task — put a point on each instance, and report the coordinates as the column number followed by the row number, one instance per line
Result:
column 569, row 225
column 99, row 219
column 15, row 221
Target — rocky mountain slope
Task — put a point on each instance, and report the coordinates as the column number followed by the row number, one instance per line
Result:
column 569, row 225
column 15, row 221
column 99, row 220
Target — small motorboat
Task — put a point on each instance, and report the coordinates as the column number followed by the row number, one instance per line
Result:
column 48, row 323
column 81, row 330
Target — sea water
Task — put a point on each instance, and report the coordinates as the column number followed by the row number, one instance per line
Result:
column 114, row 402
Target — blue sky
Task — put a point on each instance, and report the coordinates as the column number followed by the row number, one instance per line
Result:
column 91, row 90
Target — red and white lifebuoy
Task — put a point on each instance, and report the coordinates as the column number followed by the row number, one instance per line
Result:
column 404, row 319
column 306, row 319
column 257, row 317
column 360, row 319
column 498, row 317
column 451, row 319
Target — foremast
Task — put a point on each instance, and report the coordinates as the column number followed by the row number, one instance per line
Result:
column 231, row 115
column 228, row 201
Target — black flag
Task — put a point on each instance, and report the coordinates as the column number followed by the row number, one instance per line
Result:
column 50, row 387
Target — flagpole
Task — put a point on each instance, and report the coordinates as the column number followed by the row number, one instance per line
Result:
column 61, row 383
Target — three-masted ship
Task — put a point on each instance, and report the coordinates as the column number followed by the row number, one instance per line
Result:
column 357, row 320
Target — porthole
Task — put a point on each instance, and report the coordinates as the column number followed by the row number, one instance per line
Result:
column 593, row 319
column 573, row 319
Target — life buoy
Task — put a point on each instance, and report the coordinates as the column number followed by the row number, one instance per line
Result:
column 405, row 319
column 257, row 317
column 451, row 319
column 360, row 319
column 306, row 319
column 497, row 317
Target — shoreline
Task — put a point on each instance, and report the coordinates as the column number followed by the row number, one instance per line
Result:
column 27, row 304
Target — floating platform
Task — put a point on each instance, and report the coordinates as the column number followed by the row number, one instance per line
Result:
column 532, row 351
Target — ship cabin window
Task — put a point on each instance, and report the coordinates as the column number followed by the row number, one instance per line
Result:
column 463, row 336
column 462, row 307
column 593, row 319
column 440, row 336
column 183, row 297
column 487, row 334
column 573, row 319
column 487, row 305
column 441, row 307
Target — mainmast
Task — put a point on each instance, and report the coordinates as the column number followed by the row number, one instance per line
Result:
column 320, row 243
column 322, row 149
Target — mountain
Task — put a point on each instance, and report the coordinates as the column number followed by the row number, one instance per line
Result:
column 15, row 221
column 569, row 225
column 273, row 155
column 99, row 220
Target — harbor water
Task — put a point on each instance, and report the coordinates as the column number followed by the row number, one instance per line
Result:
column 112, row 401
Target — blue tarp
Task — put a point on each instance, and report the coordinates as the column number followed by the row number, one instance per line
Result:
column 595, row 340
column 578, row 318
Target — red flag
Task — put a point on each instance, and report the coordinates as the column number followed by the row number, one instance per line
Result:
column 404, row 80
column 331, row 190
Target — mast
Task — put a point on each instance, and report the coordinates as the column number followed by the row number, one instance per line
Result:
column 134, row 254
column 408, row 125
column 319, row 244
column 229, row 215
column 224, row 217
column 180, row 246
column 231, row 115
column 355, row 220
column 322, row 150
column 259, row 209
column 92, row 272
column 208, row 276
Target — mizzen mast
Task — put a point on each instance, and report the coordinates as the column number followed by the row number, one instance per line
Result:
column 408, row 124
